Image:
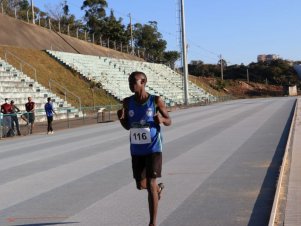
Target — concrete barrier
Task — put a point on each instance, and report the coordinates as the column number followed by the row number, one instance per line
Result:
column 286, row 166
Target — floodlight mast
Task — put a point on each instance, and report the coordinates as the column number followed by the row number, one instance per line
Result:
column 184, row 54
column 32, row 11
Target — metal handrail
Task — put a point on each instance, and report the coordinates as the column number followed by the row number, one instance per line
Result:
column 22, row 61
column 66, row 90
column 59, row 49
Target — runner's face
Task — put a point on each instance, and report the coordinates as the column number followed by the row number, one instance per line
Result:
column 135, row 83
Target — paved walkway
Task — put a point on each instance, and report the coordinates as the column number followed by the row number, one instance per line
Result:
column 293, row 206
column 221, row 164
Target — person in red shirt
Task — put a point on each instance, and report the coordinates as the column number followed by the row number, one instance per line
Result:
column 6, row 109
column 29, row 116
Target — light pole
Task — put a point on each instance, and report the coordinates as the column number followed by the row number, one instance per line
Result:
column 131, row 31
column 27, row 16
column 222, row 69
column 32, row 11
column 184, row 54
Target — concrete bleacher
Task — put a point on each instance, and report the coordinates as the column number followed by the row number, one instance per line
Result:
column 112, row 74
column 17, row 86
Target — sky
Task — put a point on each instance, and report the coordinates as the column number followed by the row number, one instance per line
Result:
column 239, row 30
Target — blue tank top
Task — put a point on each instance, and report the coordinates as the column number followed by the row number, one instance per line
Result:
column 145, row 137
column 48, row 109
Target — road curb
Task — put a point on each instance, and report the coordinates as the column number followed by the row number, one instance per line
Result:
column 283, row 167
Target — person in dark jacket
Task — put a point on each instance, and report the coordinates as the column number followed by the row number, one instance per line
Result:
column 14, row 117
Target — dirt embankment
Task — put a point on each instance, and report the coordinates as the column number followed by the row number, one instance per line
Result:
column 243, row 89
column 18, row 33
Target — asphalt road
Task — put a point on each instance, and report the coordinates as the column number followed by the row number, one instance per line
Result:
column 220, row 168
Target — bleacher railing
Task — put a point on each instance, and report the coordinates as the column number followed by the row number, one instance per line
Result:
column 21, row 63
column 51, row 81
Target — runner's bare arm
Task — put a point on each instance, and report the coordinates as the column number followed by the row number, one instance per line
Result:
column 122, row 114
column 163, row 117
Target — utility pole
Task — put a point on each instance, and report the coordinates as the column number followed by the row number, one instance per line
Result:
column 27, row 16
column 184, row 54
column 248, row 79
column 131, row 30
column 32, row 11
column 222, row 70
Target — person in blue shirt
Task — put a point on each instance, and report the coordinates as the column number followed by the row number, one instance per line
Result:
column 49, row 113
column 142, row 114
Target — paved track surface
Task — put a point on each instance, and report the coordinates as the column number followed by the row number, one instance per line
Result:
column 220, row 168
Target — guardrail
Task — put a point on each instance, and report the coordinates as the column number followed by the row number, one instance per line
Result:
column 67, row 118
column 284, row 166
column 65, row 92
column 22, row 62
column 10, row 125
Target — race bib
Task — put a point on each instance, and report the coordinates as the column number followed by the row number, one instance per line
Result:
column 140, row 136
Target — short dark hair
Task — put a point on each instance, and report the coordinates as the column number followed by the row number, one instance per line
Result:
column 49, row 99
column 135, row 73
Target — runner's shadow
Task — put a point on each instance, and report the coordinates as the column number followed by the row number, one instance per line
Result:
column 45, row 224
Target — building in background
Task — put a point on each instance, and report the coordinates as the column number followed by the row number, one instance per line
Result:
column 267, row 57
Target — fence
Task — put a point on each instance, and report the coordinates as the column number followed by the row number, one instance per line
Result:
column 65, row 119
column 73, row 30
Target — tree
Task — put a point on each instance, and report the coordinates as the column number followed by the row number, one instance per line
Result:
column 223, row 61
column 66, row 19
column 94, row 14
column 22, row 7
column 147, row 37
column 113, row 29
column 170, row 58
column 198, row 68
column 9, row 6
column 66, row 8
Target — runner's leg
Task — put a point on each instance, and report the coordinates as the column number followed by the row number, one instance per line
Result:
column 152, row 200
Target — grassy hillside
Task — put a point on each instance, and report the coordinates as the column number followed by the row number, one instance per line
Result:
column 47, row 68
column 27, row 41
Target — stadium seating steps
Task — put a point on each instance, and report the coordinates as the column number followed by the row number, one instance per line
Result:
column 17, row 86
column 112, row 75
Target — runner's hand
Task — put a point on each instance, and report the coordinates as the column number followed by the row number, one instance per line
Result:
column 120, row 114
column 158, row 119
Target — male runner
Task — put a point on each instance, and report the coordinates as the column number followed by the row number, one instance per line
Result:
column 142, row 114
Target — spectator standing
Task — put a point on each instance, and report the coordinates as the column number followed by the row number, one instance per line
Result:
column 6, row 107
column 29, row 116
column 6, row 110
column 14, row 117
column 49, row 113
